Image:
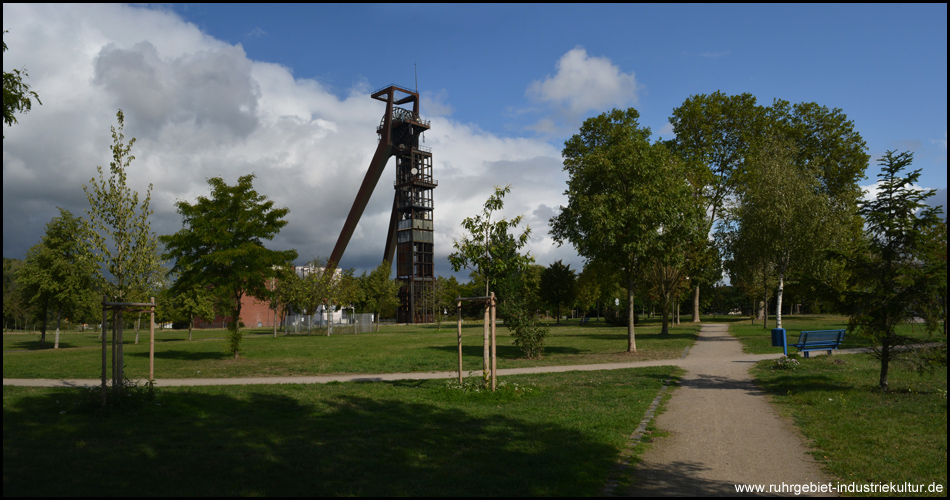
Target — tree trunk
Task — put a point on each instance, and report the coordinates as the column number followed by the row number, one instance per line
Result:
column 696, row 305
column 665, row 330
column 59, row 319
column 885, row 359
column 43, row 331
column 778, row 301
column 631, row 337
column 119, row 357
column 191, row 324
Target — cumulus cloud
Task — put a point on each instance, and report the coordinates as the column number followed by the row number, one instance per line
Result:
column 585, row 83
column 199, row 108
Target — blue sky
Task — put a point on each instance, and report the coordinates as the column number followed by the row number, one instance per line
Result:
column 283, row 91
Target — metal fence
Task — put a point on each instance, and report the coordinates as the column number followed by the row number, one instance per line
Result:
column 339, row 323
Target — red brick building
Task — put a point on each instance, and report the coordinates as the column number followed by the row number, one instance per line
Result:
column 254, row 313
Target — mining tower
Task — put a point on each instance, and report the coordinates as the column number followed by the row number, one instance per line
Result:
column 410, row 235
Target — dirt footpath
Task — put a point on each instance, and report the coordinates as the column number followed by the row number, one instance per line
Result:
column 722, row 431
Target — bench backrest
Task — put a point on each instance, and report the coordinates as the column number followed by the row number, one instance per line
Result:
column 822, row 336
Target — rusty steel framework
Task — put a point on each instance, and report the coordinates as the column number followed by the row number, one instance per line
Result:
column 410, row 235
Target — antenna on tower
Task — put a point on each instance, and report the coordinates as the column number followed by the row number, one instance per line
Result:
column 415, row 70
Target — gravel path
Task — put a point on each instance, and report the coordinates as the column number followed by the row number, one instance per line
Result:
column 722, row 430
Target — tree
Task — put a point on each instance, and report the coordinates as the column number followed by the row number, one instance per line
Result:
column 118, row 238
column 557, row 286
column 622, row 190
column 491, row 252
column 284, row 293
column 894, row 278
column 221, row 244
column 56, row 273
column 314, row 288
column 713, row 133
column 441, row 297
column 17, row 96
column 783, row 211
column 195, row 301
column 378, row 290
column 520, row 316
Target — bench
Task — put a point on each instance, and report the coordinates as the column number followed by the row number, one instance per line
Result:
column 584, row 320
column 819, row 340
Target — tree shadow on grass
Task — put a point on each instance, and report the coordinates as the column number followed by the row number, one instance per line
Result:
column 264, row 442
column 183, row 355
column 35, row 345
column 505, row 351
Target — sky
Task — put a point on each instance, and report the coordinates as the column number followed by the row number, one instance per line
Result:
column 283, row 92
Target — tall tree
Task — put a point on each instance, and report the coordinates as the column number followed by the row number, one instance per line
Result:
column 622, row 190
column 713, row 133
column 17, row 96
column 118, row 237
column 782, row 212
column 56, row 273
column 893, row 278
column 222, row 244
column 558, row 286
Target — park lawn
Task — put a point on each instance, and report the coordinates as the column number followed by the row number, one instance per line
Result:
column 758, row 340
column 557, row 434
column 395, row 349
column 861, row 435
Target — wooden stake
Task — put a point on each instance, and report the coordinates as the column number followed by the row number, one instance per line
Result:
column 151, row 344
column 459, row 311
column 494, row 358
column 104, row 322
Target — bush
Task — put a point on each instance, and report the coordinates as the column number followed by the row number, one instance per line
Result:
column 520, row 318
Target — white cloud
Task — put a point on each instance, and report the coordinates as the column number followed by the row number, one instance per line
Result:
column 941, row 142
column 200, row 108
column 585, row 83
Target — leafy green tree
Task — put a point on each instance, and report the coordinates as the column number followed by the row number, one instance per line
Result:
column 379, row 291
column 17, row 96
column 195, row 301
column 713, row 134
column 558, row 286
column 118, row 238
column 221, row 245
column 489, row 250
column 56, row 274
column 314, row 288
column 520, row 316
column 782, row 213
column 493, row 254
column 441, row 297
column 117, row 232
column 894, row 277
column 622, row 190
column 284, row 293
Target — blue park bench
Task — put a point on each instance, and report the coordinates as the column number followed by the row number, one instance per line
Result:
column 814, row 340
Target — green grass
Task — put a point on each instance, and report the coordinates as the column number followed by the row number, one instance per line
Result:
column 394, row 349
column 557, row 434
column 862, row 435
column 758, row 340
